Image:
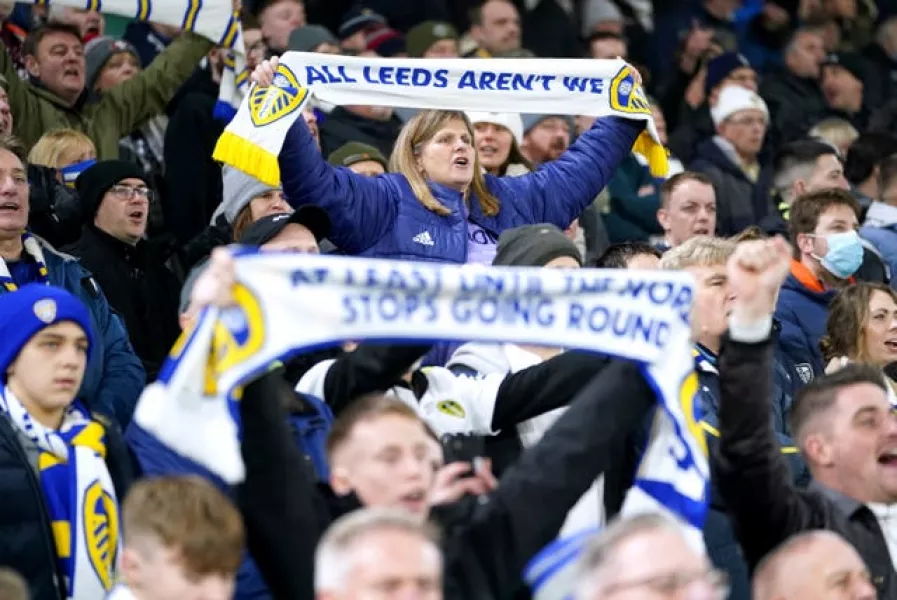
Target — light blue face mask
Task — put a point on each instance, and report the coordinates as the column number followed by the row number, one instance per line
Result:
column 845, row 254
column 71, row 172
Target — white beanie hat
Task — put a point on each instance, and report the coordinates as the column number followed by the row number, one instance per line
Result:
column 734, row 98
column 510, row 121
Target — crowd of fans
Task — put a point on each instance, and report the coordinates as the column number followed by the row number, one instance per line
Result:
column 780, row 117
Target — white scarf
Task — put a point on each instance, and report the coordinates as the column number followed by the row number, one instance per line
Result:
column 286, row 302
column 254, row 138
column 72, row 466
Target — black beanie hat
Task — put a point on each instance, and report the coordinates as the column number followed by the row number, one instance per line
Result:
column 94, row 182
column 534, row 246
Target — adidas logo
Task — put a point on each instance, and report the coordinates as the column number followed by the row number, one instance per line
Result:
column 423, row 239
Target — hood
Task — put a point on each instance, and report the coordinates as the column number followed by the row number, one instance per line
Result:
column 793, row 284
column 481, row 357
column 881, row 215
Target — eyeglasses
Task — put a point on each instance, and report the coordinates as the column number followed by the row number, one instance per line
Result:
column 127, row 192
column 670, row 584
column 748, row 121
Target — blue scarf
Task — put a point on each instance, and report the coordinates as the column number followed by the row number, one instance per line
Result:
column 32, row 247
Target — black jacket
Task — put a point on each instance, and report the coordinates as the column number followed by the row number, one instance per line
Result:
column 341, row 127
column 789, row 96
column 753, row 477
column 740, row 202
column 139, row 287
column 26, row 540
column 485, row 555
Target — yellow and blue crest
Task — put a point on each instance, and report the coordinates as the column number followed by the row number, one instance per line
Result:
column 101, row 530
column 691, row 410
column 626, row 95
column 281, row 98
column 45, row 310
column 451, row 408
column 239, row 334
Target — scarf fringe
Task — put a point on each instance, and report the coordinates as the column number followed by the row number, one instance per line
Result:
column 248, row 157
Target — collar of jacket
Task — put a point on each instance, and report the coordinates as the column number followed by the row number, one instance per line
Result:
column 808, row 280
column 135, row 254
column 39, row 89
column 847, row 505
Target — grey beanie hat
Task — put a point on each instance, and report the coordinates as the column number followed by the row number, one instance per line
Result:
column 239, row 190
column 97, row 53
column 309, row 37
column 534, row 246
column 531, row 120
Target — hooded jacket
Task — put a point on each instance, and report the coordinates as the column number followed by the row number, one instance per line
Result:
column 379, row 217
column 802, row 310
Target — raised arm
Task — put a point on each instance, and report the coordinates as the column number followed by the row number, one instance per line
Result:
column 529, row 507
column 362, row 209
column 126, row 106
column 749, row 470
column 559, row 191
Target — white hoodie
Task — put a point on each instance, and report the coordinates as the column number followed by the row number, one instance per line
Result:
column 503, row 359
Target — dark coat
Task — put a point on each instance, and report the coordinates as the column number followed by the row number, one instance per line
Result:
column 764, row 504
column 26, row 540
column 740, row 202
column 341, row 127
column 139, row 287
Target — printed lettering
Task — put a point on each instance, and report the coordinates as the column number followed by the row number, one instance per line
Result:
column 575, row 84
column 313, row 76
column 596, row 86
column 519, row 83
column 420, row 77
column 441, row 77
column 331, row 78
column 403, row 75
column 345, row 76
column 386, row 74
column 468, row 80
column 486, row 80
column 366, row 72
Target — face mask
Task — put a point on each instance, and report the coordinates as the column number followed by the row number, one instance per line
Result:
column 844, row 256
column 71, row 172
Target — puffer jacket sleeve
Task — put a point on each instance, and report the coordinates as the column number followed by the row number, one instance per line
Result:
column 361, row 209
column 793, row 339
column 559, row 191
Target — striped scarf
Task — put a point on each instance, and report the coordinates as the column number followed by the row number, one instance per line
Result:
column 78, row 494
column 32, row 247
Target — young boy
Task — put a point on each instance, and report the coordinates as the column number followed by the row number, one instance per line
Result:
column 59, row 524
column 182, row 539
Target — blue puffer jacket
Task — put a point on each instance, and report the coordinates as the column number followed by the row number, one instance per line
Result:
column 380, row 217
column 803, row 312
column 115, row 377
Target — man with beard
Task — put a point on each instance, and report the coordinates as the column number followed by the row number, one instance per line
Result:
column 545, row 137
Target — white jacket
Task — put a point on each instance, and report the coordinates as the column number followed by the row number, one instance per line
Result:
column 501, row 359
column 451, row 404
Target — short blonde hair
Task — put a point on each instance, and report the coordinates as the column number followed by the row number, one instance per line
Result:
column 420, row 130
column 51, row 146
column 836, row 131
column 699, row 251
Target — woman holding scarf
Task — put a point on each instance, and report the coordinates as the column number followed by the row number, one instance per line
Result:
column 62, row 471
column 437, row 204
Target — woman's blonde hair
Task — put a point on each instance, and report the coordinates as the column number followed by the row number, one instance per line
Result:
column 51, row 146
column 836, row 131
column 847, row 316
column 420, row 130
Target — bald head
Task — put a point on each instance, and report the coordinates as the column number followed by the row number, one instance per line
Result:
column 817, row 564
